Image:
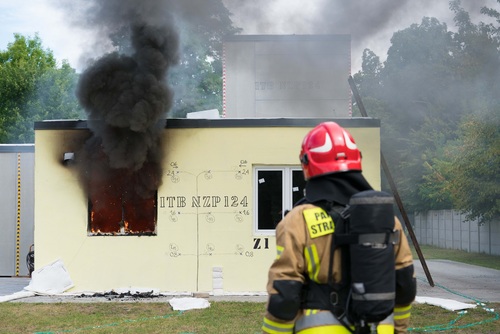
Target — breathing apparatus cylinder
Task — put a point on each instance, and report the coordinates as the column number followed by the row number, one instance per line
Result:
column 372, row 257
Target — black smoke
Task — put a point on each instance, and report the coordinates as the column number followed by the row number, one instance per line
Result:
column 126, row 95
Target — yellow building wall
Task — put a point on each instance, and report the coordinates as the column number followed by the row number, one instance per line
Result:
column 205, row 238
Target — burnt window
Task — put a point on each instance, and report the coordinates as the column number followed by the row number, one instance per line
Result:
column 117, row 205
column 276, row 190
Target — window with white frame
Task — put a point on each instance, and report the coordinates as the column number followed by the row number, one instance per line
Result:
column 276, row 190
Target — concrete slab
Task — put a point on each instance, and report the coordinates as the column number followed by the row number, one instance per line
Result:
column 9, row 285
column 459, row 281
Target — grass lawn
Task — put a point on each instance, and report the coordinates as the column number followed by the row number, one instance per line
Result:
column 219, row 318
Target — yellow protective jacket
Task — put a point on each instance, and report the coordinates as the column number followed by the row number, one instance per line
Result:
column 299, row 256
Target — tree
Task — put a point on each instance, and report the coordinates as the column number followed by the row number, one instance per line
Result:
column 437, row 98
column 413, row 86
column 24, row 61
column 417, row 69
column 197, row 80
column 369, row 76
column 469, row 165
column 32, row 89
column 475, row 167
column 477, row 56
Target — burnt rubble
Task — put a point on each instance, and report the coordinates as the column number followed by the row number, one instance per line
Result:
column 113, row 295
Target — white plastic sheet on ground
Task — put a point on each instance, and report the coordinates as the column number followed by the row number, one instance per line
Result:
column 448, row 304
column 51, row 279
column 16, row 295
column 188, row 303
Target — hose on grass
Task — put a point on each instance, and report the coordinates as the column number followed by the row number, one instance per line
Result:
column 452, row 324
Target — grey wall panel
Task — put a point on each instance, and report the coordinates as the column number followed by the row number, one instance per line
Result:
column 8, row 184
column 27, row 208
column 16, row 208
column 450, row 229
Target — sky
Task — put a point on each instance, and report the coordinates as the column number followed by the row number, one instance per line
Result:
column 371, row 23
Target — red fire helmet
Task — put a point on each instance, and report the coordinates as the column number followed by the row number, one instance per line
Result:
column 329, row 148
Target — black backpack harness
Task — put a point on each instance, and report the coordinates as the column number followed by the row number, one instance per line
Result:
column 364, row 230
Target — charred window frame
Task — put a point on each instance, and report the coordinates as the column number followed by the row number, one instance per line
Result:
column 115, row 216
column 115, row 207
column 276, row 189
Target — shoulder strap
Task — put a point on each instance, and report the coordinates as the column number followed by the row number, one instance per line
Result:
column 337, row 213
column 339, row 294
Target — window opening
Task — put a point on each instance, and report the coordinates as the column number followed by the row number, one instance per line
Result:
column 298, row 185
column 269, row 198
column 277, row 189
column 117, row 206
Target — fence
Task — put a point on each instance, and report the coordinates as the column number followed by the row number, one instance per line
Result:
column 449, row 229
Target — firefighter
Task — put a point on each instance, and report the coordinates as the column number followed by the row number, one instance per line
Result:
column 331, row 163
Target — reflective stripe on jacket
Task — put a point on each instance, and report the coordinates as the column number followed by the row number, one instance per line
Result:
column 318, row 322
